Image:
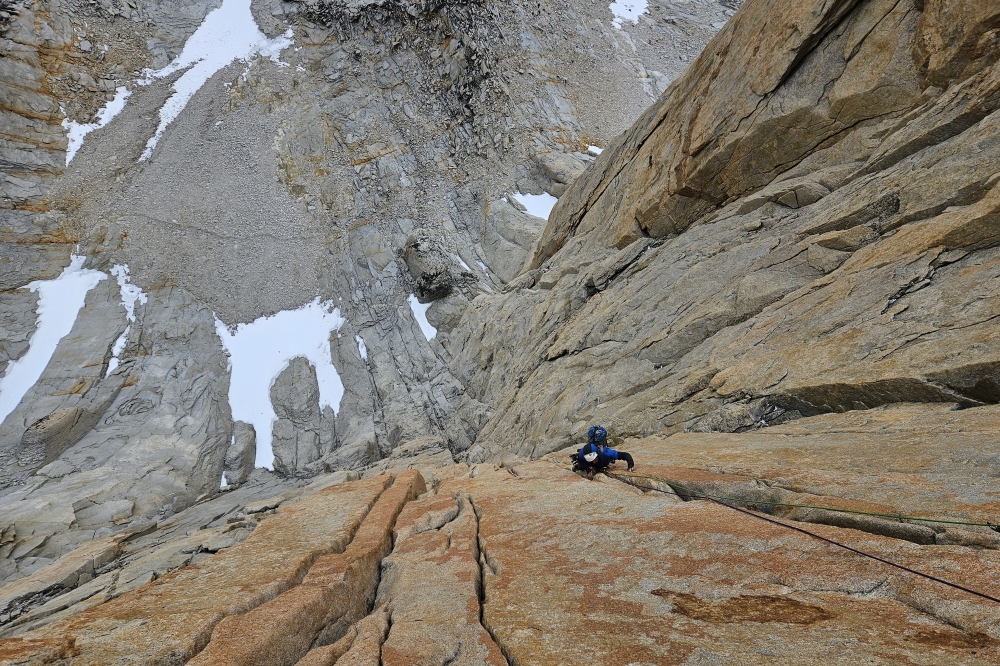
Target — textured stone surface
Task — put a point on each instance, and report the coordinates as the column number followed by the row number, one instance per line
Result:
column 432, row 584
column 17, row 324
column 297, row 431
column 335, row 593
column 233, row 583
column 241, row 454
column 162, row 425
column 850, row 270
column 620, row 578
column 779, row 284
column 297, row 181
column 529, row 563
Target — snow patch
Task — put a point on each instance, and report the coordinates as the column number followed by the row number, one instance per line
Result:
column 463, row 264
column 75, row 132
column 627, row 9
column 228, row 33
column 130, row 294
column 539, row 205
column 259, row 351
column 117, row 349
column 483, row 266
column 594, row 150
column 362, row 349
column 59, row 304
column 420, row 314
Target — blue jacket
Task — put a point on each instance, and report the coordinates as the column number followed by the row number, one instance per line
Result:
column 605, row 456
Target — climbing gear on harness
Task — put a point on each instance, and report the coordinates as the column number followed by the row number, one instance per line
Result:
column 627, row 479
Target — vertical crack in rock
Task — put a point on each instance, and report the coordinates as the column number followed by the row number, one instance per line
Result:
column 484, row 562
column 187, row 609
column 338, row 591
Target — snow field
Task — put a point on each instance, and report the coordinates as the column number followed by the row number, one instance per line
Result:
column 259, row 351
column 130, row 294
column 539, row 205
column 420, row 314
column 76, row 132
column 627, row 10
column 59, row 304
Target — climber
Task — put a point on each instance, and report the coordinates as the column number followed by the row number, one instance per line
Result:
column 596, row 455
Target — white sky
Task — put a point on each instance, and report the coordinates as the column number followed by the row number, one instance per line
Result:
column 259, row 351
column 627, row 9
column 539, row 205
column 77, row 131
column 59, row 304
column 420, row 313
column 227, row 34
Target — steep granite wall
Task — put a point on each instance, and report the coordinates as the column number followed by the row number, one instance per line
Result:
column 804, row 223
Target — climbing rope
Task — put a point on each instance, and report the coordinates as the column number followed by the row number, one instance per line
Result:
column 690, row 492
column 626, row 479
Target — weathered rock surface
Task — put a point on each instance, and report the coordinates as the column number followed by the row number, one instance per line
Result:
column 390, row 122
column 818, row 240
column 160, row 428
column 779, row 286
column 612, row 575
column 242, row 578
column 241, row 454
column 17, row 310
column 297, row 431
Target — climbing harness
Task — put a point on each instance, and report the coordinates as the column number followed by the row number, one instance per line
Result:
column 628, row 479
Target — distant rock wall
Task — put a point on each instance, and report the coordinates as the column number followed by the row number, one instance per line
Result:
column 374, row 162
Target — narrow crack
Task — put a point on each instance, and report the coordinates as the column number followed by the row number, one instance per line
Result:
column 201, row 645
column 385, row 635
column 932, row 613
column 770, row 491
column 483, row 559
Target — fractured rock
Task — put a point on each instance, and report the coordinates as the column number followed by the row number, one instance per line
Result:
column 296, row 432
column 242, row 453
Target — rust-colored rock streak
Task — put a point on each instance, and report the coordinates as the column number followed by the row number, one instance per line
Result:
column 586, row 572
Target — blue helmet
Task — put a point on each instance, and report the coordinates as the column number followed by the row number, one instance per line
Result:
column 596, row 434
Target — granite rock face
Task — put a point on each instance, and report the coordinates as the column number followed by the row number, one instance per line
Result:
column 777, row 285
column 92, row 451
column 297, row 430
column 241, row 454
column 437, row 569
column 809, row 233
column 375, row 161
